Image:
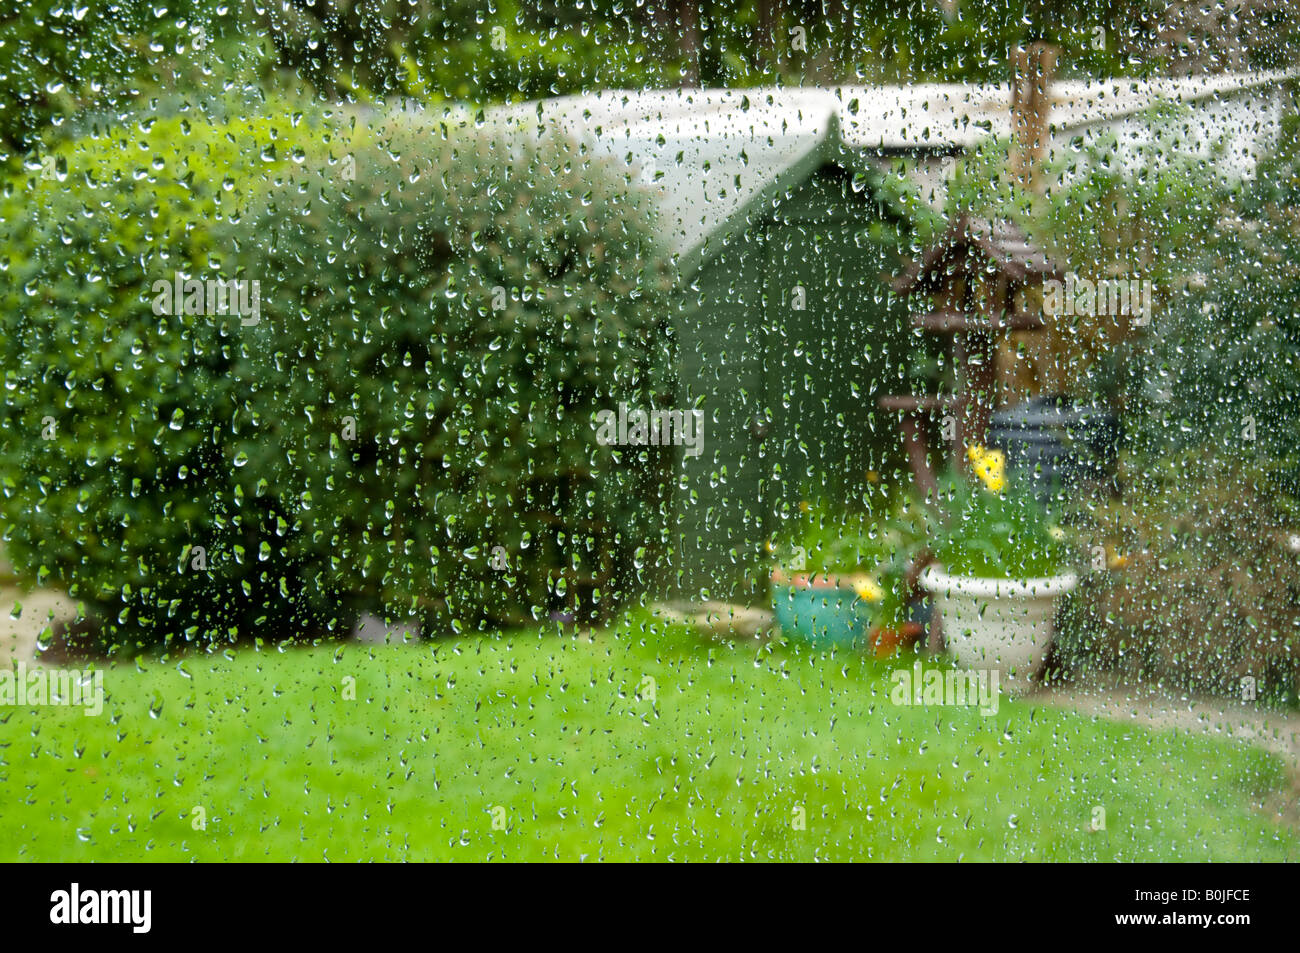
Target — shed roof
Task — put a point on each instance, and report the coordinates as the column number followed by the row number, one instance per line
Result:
column 712, row 154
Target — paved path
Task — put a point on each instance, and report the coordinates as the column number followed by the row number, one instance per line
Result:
column 1278, row 731
column 18, row 635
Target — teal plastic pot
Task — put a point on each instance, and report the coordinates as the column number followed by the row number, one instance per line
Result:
column 821, row 612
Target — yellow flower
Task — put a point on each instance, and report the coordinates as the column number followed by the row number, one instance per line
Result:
column 990, row 466
column 804, row 507
column 867, row 589
column 1056, row 533
column 1115, row 560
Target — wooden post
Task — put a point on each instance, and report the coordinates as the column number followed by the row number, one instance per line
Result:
column 975, row 351
column 918, row 456
column 1032, row 72
column 688, row 22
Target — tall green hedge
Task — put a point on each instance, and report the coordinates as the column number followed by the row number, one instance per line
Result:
column 380, row 428
column 445, row 322
column 116, row 457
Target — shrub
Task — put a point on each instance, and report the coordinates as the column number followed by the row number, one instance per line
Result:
column 1222, row 364
column 1204, row 582
column 443, row 329
column 57, row 65
column 115, row 451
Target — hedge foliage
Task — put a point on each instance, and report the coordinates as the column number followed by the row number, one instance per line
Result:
column 442, row 312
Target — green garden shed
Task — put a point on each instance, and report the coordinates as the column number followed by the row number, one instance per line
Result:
column 780, row 213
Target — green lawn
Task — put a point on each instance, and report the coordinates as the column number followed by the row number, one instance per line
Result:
column 550, row 730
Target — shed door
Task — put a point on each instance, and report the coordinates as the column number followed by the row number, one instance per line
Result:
column 789, row 394
column 831, row 345
column 721, row 340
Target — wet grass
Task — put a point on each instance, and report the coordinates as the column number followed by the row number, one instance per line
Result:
column 553, row 738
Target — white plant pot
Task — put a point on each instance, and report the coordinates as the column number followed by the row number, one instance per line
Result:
column 998, row 624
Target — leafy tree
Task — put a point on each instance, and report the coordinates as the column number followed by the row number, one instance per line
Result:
column 59, row 59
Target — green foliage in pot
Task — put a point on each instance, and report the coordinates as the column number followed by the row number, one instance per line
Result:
column 986, row 528
column 868, row 549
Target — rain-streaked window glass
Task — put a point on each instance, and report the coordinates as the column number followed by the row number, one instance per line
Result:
column 665, row 431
